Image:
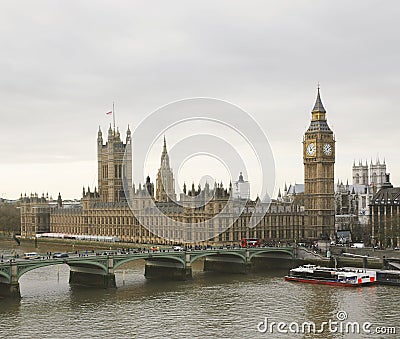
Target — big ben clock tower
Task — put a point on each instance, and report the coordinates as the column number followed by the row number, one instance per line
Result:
column 319, row 165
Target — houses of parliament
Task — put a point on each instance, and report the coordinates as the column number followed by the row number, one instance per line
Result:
column 109, row 210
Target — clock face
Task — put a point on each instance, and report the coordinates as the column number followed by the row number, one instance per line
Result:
column 311, row 149
column 327, row 149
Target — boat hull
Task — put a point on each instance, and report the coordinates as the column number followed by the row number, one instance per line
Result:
column 327, row 282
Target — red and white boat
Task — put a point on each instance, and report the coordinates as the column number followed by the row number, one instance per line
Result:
column 348, row 277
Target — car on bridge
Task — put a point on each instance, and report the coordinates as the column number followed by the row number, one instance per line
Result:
column 31, row 255
column 60, row 255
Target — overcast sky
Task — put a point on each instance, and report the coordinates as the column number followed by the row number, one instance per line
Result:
column 63, row 63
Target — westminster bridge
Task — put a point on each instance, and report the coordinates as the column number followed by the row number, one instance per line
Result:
column 98, row 269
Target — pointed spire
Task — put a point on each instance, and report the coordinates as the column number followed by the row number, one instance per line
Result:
column 110, row 133
column 164, row 155
column 128, row 135
column 59, row 200
column 318, row 107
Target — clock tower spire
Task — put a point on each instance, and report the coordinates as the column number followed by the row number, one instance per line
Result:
column 319, row 166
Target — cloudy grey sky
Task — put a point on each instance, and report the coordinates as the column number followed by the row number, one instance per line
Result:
column 63, row 63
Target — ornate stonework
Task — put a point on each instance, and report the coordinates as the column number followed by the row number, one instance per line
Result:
column 319, row 165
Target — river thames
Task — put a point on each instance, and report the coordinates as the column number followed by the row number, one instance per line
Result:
column 211, row 305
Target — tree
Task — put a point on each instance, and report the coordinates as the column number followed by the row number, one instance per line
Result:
column 10, row 219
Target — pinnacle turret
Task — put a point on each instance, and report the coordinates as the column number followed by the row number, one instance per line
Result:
column 318, row 107
column 164, row 155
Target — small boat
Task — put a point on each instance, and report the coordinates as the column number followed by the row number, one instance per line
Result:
column 388, row 277
column 348, row 277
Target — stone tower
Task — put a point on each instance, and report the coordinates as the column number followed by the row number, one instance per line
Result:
column 110, row 160
column 319, row 165
column 165, row 185
column 377, row 174
column 360, row 174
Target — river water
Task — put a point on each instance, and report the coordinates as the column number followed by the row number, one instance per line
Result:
column 211, row 305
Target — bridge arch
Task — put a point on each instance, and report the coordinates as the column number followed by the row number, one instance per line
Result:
column 33, row 267
column 287, row 251
column 5, row 275
column 144, row 257
column 45, row 264
column 211, row 253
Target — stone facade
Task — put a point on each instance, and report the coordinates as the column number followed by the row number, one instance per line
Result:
column 319, row 165
column 35, row 214
column 385, row 216
column 142, row 222
column 367, row 181
column 110, row 160
column 146, row 215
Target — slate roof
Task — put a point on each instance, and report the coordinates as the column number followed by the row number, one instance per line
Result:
column 318, row 107
column 387, row 196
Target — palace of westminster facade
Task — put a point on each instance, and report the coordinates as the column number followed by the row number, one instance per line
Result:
column 105, row 211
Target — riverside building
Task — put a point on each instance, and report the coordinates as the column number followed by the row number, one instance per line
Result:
column 108, row 210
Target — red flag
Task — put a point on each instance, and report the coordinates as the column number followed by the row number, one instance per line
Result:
column 109, row 113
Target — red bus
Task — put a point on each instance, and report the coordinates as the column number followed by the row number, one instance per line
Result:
column 250, row 242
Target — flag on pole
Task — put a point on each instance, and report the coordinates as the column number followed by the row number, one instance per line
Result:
column 108, row 113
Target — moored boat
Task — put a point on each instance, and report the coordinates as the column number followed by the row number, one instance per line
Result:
column 388, row 277
column 348, row 277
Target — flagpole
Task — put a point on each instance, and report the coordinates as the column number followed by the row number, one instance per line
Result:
column 113, row 114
